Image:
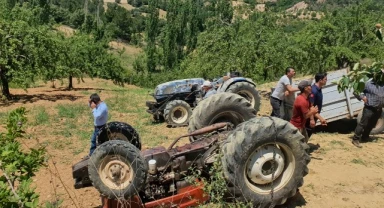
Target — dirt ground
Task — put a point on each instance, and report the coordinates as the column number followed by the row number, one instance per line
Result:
column 340, row 175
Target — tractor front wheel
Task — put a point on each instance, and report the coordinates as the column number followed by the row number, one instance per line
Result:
column 177, row 113
column 119, row 131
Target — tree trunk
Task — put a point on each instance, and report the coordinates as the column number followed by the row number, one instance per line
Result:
column 5, row 85
column 70, row 85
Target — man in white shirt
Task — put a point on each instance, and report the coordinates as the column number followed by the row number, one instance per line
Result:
column 283, row 91
column 207, row 87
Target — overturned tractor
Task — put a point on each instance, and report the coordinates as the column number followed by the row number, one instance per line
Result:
column 259, row 156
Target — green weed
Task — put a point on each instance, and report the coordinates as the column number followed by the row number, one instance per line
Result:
column 3, row 117
column 41, row 116
column 311, row 186
column 71, row 111
column 358, row 161
column 340, row 143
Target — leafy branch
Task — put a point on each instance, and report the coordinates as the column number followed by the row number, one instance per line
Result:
column 359, row 75
column 18, row 166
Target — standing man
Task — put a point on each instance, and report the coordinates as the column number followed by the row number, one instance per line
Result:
column 208, row 89
column 302, row 109
column 283, row 88
column 100, row 115
column 316, row 99
column 373, row 98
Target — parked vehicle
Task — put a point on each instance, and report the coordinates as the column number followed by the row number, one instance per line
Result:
column 175, row 100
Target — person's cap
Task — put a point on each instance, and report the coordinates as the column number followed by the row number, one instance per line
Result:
column 303, row 84
column 378, row 25
column 207, row 84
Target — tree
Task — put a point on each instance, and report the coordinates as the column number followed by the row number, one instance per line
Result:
column 17, row 62
column 82, row 56
column 152, row 32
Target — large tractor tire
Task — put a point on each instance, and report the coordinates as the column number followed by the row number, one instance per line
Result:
column 379, row 128
column 248, row 91
column 119, row 131
column 249, row 155
column 117, row 170
column 220, row 107
column 177, row 113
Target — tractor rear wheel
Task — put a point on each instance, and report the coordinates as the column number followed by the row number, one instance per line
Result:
column 248, row 91
column 119, row 131
column 177, row 113
column 263, row 156
column 379, row 128
column 220, row 107
column 117, row 169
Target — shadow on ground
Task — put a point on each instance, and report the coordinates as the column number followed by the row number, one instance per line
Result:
column 295, row 201
column 343, row 126
column 25, row 98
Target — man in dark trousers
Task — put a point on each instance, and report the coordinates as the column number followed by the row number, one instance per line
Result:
column 100, row 115
column 283, row 88
column 373, row 98
column 302, row 110
column 316, row 99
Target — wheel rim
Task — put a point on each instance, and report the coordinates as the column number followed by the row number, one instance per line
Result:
column 117, row 136
column 179, row 115
column 115, row 173
column 228, row 116
column 258, row 168
column 247, row 95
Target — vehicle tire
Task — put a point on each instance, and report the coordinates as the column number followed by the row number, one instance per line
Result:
column 177, row 113
column 220, row 107
column 248, row 91
column 379, row 128
column 119, row 131
column 247, row 155
column 117, row 169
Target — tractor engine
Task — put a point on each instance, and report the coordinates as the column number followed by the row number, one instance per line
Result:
column 167, row 169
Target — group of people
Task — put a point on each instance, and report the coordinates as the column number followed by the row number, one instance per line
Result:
column 304, row 110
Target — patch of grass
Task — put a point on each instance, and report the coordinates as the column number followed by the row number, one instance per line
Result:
column 41, row 116
column 311, row 186
column 84, row 93
column 381, row 184
column 3, row 117
column 358, row 161
column 340, row 143
column 59, row 144
column 84, row 135
column 71, row 111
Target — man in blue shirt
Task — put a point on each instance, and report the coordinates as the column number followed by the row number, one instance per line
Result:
column 100, row 115
column 316, row 99
column 373, row 98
